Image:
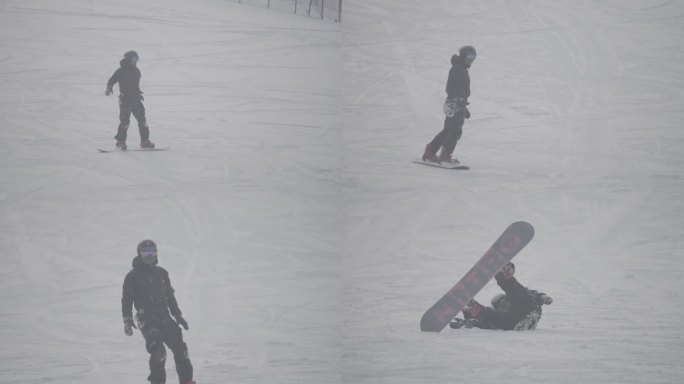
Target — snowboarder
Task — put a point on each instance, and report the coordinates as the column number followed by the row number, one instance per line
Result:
column 130, row 100
column 517, row 309
column 147, row 286
column 458, row 91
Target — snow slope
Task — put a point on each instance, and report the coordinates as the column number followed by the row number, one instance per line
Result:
column 240, row 206
column 576, row 127
column 303, row 245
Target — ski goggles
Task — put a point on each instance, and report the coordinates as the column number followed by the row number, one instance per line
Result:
column 148, row 253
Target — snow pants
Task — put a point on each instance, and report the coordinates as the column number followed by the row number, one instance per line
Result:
column 450, row 134
column 158, row 332
column 136, row 107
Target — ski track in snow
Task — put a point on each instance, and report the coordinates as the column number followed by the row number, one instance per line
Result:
column 303, row 244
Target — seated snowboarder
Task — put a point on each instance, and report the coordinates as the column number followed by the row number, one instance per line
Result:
column 518, row 308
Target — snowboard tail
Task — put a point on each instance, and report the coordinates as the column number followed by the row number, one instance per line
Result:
column 511, row 241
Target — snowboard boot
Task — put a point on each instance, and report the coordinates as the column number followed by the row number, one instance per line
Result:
column 121, row 144
column 457, row 323
column 147, row 144
column 430, row 154
column 508, row 271
column 445, row 157
column 472, row 310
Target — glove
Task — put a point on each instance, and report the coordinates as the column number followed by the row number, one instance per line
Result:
column 450, row 107
column 128, row 326
column 540, row 298
column 466, row 113
column 108, row 92
column 181, row 321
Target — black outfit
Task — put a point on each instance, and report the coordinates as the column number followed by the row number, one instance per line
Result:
column 524, row 312
column 148, row 288
column 130, row 100
column 458, row 91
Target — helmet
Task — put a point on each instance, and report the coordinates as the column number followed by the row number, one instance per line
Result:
column 464, row 51
column 500, row 302
column 147, row 250
column 131, row 54
column 147, row 246
column 468, row 54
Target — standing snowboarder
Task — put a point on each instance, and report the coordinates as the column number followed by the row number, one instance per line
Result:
column 130, row 100
column 458, row 91
column 147, row 286
column 517, row 309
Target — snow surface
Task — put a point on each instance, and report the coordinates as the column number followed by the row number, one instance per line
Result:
column 303, row 244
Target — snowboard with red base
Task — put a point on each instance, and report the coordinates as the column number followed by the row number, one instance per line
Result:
column 511, row 241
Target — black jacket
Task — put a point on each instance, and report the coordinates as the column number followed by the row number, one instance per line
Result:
column 522, row 302
column 148, row 288
column 458, row 84
column 128, row 77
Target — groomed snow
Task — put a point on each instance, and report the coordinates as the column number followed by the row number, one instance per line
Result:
column 303, row 244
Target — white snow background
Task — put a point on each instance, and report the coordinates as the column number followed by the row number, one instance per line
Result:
column 303, row 245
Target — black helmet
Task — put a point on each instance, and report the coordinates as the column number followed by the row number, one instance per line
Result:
column 147, row 246
column 147, row 250
column 467, row 54
column 131, row 54
column 465, row 51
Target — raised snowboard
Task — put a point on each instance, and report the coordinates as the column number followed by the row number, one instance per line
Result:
column 511, row 241
column 132, row 150
column 440, row 165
